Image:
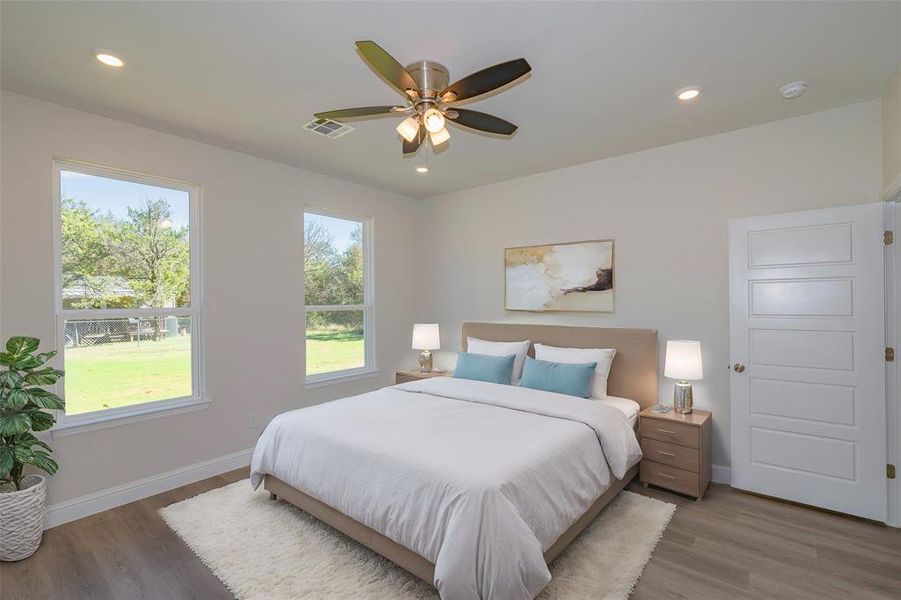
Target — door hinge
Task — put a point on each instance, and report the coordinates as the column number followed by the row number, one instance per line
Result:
column 890, row 471
column 888, row 237
column 889, row 354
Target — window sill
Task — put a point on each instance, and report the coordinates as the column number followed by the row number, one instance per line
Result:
column 103, row 420
column 315, row 381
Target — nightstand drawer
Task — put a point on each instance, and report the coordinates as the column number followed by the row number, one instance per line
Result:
column 671, row 455
column 671, row 478
column 668, row 431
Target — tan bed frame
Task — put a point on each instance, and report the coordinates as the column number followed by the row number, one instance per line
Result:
column 634, row 376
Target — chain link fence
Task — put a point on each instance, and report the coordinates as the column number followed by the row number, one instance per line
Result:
column 90, row 332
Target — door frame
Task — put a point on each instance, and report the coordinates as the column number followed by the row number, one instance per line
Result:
column 893, row 339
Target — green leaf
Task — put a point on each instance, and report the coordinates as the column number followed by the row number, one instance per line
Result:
column 41, row 420
column 23, row 454
column 27, row 362
column 43, row 461
column 45, row 399
column 29, row 439
column 20, row 346
column 18, row 398
column 46, row 376
column 6, row 461
column 12, row 423
column 43, row 357
column 11, row 379
column 7, row 359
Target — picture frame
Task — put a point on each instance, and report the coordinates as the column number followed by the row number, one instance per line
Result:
column 563, row 277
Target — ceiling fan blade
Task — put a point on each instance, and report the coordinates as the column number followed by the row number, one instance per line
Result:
column 411, row 147
column 481, row 121
column 386, row 66
column 485, row 80
column 363, row 111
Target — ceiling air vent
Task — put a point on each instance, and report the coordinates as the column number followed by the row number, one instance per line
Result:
column 328, row 128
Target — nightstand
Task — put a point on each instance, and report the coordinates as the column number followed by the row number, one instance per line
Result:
column 416, row 375
column 676, row 450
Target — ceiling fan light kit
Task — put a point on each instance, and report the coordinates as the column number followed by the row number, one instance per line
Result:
column 424, row 86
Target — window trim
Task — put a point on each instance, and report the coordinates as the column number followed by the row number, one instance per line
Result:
column 68, row 424
column 369, row 368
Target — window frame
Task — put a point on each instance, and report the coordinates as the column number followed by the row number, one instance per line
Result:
column 125, row 414
column 369, row 368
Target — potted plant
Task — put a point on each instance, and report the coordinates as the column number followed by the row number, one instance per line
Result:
column 23, row 406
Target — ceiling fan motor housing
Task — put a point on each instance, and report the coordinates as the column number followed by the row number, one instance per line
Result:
column 431, row 77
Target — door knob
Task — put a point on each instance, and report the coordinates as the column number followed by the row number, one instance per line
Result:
column 739, row 368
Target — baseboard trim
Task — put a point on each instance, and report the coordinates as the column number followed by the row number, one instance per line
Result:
column 84, row 506
column 721, row 474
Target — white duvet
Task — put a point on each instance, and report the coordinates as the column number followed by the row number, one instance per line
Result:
column 478, row 478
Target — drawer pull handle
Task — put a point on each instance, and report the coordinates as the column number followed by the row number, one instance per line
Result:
column 666, row 431
column 666, row 475
column 665, row 453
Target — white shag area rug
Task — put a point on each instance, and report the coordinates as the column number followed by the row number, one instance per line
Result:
column 262, row 549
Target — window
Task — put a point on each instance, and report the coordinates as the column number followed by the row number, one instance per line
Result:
column 337, row 296
column 127, row 292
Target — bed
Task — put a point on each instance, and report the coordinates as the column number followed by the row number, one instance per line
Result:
column 473, row 487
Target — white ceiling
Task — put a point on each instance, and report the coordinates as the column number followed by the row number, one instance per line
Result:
column 248, row 75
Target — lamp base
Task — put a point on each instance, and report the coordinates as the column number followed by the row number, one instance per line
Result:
column 682, row 399
column 425, row 361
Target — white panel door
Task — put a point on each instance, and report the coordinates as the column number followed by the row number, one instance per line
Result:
column 807, row 342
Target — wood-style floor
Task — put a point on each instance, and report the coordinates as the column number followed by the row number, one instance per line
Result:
column 730, row 545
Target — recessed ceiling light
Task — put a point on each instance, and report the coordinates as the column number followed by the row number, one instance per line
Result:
column 422, row 169
column 108, row 57
column 792, row 90
column 688, row 93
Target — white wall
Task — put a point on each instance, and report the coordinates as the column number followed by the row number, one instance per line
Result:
column 891, row 127
column 252, row 273
column 667, row 209
column 891, row 136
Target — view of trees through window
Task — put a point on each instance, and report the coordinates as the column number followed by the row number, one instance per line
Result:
column 139, row 260
column 334, row 293
column 124, row 245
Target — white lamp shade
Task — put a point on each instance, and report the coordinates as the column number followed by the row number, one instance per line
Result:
column 408, row 128
column 439, row 137
column 425, row 336
column 434, row 120
column 683, row 360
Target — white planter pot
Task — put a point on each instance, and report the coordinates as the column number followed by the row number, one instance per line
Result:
column 22, row 518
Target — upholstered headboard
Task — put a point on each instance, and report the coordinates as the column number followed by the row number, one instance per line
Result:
column 634, row 371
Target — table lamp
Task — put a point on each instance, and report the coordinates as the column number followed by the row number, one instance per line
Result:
column 426, row 338
column 683, row 362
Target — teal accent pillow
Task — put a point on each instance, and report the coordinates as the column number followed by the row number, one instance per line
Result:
column 481, row 367
column 572, row 379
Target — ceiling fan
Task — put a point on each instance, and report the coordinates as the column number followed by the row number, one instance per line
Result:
column 428, row 96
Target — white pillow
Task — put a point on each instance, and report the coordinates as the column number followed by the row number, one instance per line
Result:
column 602, row 356
column 520, row 349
